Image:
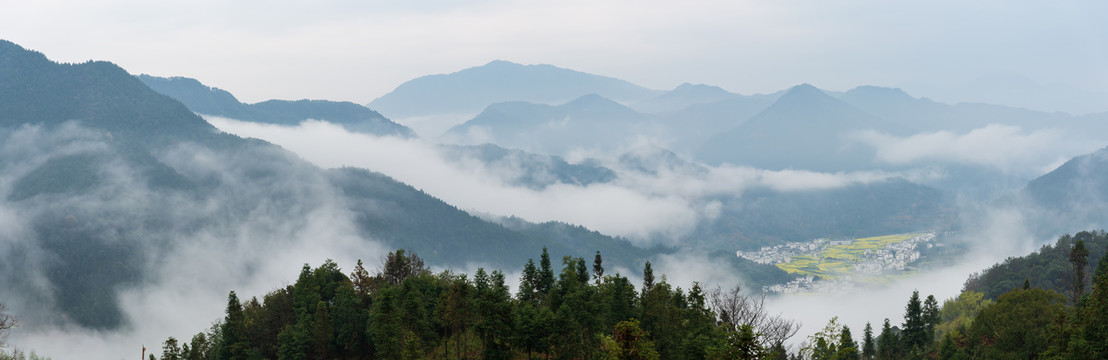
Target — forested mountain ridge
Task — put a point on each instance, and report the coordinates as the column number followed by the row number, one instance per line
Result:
column 1051, row 267
column 37, row 91
column 108, row 180
column 206, row 100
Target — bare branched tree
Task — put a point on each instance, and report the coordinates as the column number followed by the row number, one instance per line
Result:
column 735, row 308
column 7, row 322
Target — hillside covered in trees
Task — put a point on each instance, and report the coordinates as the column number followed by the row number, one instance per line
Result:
column 1060, row 313
column 406, row 312
column 580, row 312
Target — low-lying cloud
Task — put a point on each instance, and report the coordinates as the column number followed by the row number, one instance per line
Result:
column 657, row 205
column 190, row 249
column 1004, row 147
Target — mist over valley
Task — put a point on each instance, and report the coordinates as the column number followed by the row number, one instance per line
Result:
column 500, row 209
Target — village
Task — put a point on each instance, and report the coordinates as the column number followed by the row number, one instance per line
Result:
column 837, row 265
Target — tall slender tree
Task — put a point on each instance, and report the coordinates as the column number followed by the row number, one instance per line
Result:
column 1079, row 259
column 914, row 335
column 528, row 283
column 598, row 268
column 546, row 275
column 887, row 343
column 931, row 319
column 234, row 344
column 869, row 351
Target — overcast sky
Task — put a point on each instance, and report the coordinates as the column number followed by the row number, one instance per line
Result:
column 358, row 50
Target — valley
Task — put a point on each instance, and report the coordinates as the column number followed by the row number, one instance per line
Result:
column 826, row 265
column 132, row 204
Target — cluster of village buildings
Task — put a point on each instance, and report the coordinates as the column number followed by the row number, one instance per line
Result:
column 892, row 258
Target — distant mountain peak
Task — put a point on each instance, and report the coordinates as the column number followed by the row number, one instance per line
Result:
column 698, row 89
column 878, row 93
column 471, row 90
column 804, row 88
column 591, row 99
column 499, row 62
column 803, row 95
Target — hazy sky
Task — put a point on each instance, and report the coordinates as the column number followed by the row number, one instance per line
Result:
column 358, row 50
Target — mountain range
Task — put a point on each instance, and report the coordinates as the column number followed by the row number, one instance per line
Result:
column 206, row 100
column 111, row 182
column 108, row 178
column 471, row 90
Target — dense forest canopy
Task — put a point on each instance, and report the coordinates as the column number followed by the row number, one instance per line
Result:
column 404, row 311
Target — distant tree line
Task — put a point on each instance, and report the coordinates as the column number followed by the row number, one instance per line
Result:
column 404, row 311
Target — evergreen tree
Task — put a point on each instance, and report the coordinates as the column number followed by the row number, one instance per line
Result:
column 295, row 342
column 619, row 300
column 528, row 283
column 887, row 343
column 848, row 349
column 1079, row 259
column 869, row 350
column 598, row 268
column 546, row 275
column 322, row 330
column 454, row 310
column 385, row 324
column 494, row 315
column 647, row 278
column 582, row 272
column 930, row 319
column 914, row 335
column 534, row 327
column 1093, row 322
column 349, row 322
column 234, row 345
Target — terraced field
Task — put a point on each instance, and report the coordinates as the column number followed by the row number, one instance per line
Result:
column 833, row 262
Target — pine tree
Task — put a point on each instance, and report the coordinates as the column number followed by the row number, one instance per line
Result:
column 914, row 335
column 887, row 343
column 234, row 345
column 869, row 350
column 931, row 318
column 528, row 283
column 647, row 278
column 598, row 268
column 546, row 275
column 848, row 349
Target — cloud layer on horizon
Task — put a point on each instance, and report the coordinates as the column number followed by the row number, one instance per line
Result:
column 659, row 206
